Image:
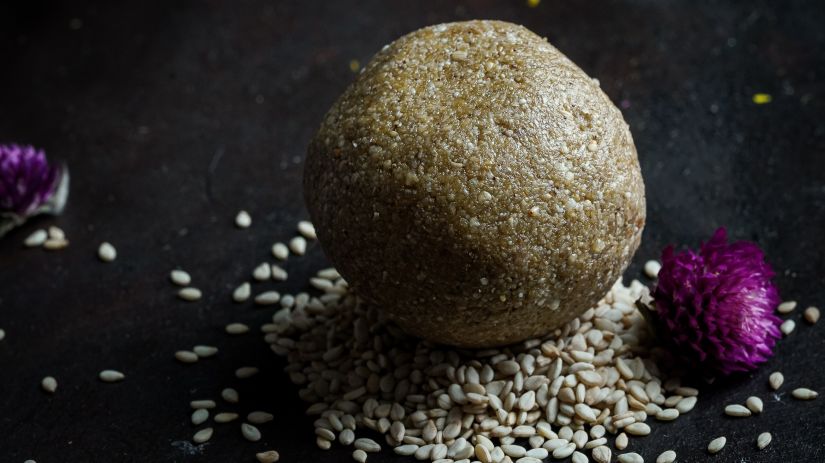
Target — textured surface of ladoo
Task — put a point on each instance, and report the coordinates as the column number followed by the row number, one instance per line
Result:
column 477, row 184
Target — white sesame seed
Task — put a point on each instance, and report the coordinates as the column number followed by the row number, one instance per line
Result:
column 278, row 273
column 268, row 298
column 111, row 376
column 652, row 268
column 49, row 384
column 258, row 417
column 763, row 440
column 106, row 252
column 250, row 433
column 236, row 328
column 775, row 380
column 637, row 429
column 243, row 219
column 280, row 251
column 359, row 455
column 787, row 327
column 667, row 414
column 602, row 454
column 242, row 292
column 37, row 238
column 55, row 233
column 631, row 457
column 230, row 395
column 185, row 356
column 668, row 456
column 298, row 245
column 367, row 445
column 737, row 410
column 811, row 315
column 306, row 229
column 621, row 441
column 202, row 436
column 189, row 294
column 2, row 334
column 196, row 404
column 52, row 244
column 270, row 456
column 786, row 307
column 225, row 417
column 246, row 372
column 262, row 272
column 803, row 393
column 717, row 444
column 200, row 416
column 205, row 351
column 754, row 404
column 180, row 277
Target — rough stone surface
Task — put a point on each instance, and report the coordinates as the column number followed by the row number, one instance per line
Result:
column 477, row 184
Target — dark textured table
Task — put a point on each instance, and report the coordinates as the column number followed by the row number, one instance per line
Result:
column 173, row 115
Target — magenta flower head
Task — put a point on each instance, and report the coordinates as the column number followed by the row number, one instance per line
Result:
column 717, row 306
column 29, row 185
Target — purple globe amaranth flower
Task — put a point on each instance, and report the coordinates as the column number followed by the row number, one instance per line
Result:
column 717, row 307
column 29, row 185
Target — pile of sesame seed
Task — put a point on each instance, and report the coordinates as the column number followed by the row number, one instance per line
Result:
column 558, row 396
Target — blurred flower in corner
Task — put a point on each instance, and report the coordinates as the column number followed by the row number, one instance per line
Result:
column 29, row 185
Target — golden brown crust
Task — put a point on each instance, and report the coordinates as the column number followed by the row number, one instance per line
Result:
column 477, row 184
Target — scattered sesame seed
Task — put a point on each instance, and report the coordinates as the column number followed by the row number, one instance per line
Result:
column 250, row 433
column 189, row 294
column 202, row 436
column 262, row 272
column 230, row 395
column 242, row 292
column 106, row 252
column 270, row 456
column 787, row 327
column 185, row 356
column 243, row 219
column 49, row 384
column 55, row 233
column 280, row 251
column 298, row 245
column 754, row 404
column 204, row 351
column 258, row 417
column 668, row 456
column 763, row 440
column 180, row 277
column 236, row 328
column 200, row 416
column 111, row 376
column 811, row 315
column 652, row 268
column 225, row 417
column 775, row 380
column 246, row 372
column 717, row 444
column 36, row 239
column 786, row 307
column 631, row 457
column 206, row 403
column 737, row 410
column 307, row 230
column 268, row 298
column 803, row 393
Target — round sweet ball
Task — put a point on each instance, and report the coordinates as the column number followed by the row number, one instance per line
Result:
column 476, row 185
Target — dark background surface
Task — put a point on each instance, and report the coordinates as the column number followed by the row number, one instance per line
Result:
column 173, row 115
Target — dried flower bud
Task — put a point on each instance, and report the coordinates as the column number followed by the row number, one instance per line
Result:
column 717, row 306
column 29, row 185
